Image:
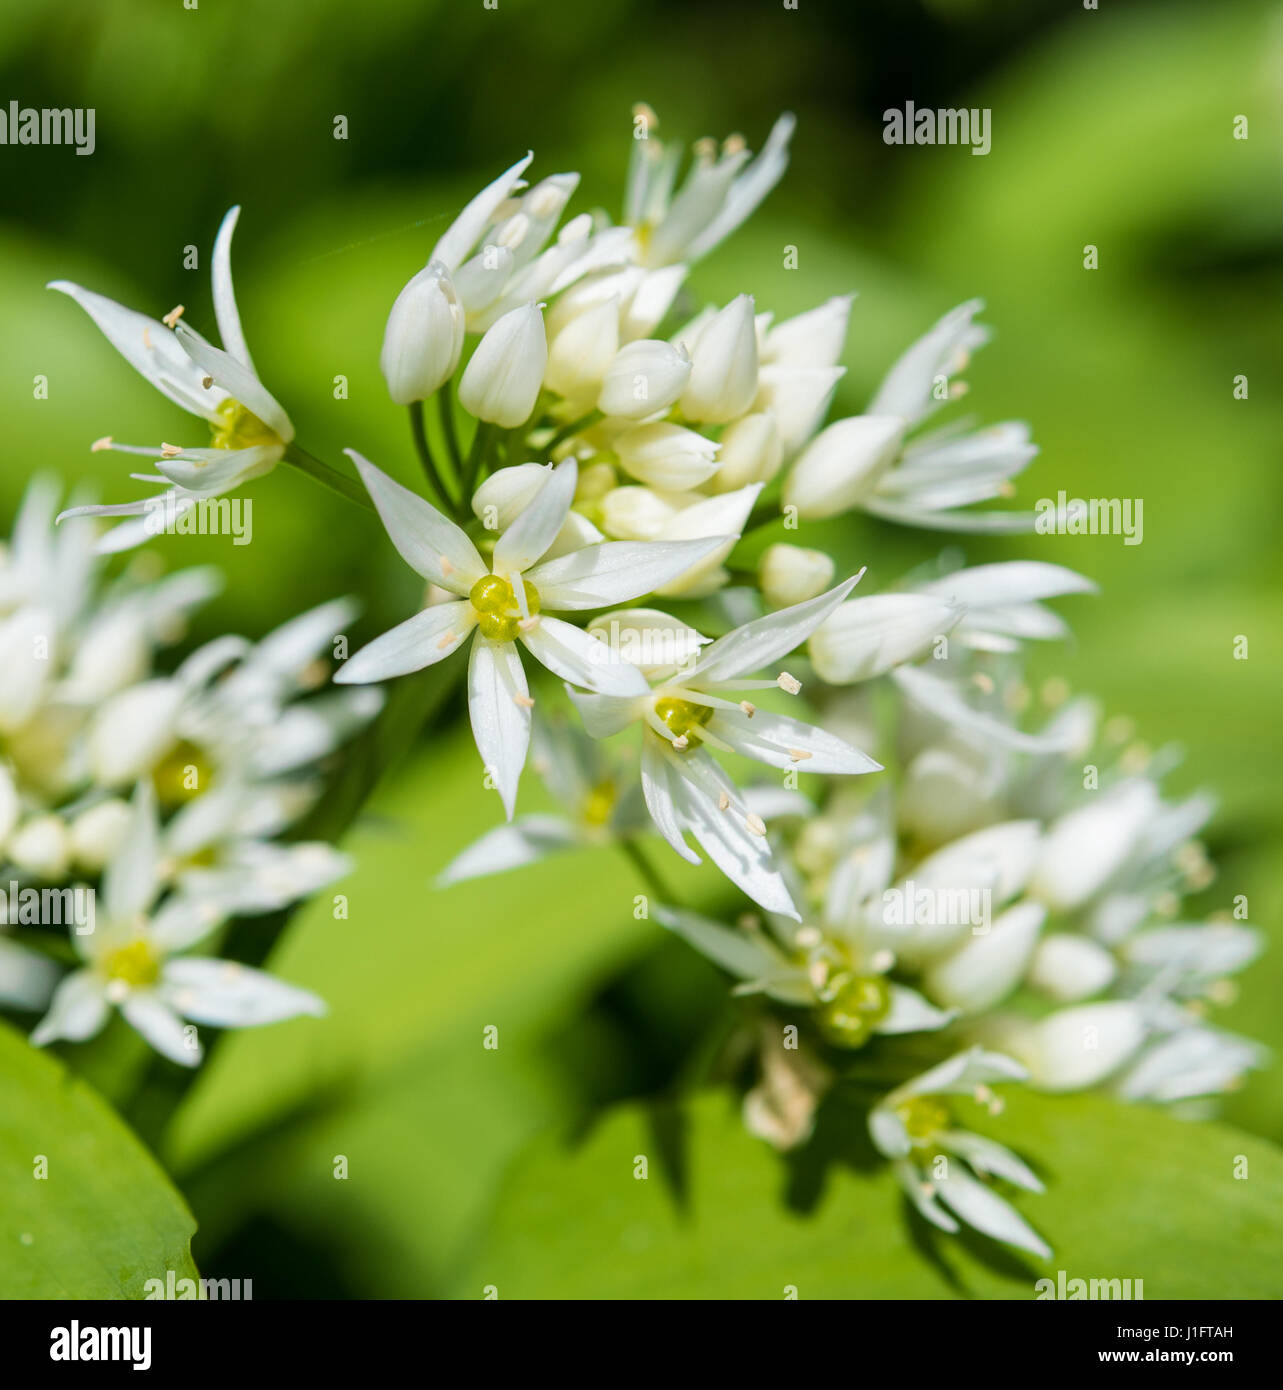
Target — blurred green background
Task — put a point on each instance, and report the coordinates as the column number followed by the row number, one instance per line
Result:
column 1110, row 127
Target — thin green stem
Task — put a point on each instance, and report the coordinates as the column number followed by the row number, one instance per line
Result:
column 641, row 862
column 331, row 478
column 445, row 407
column 573, row 427
column 481, row 442
column 420, row 435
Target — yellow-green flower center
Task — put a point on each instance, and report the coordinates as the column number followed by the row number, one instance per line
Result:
column 599, row 804
column 135, row 965
column 240, row 428
column 859, row 1004
column 923, row 1117
column 184, row 772
column 498, row 615
column 684, row 718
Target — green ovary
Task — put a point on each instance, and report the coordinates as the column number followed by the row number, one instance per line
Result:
column 923, row 1117
column 860, row 1004
column 240, row 428
column 495, row 601
column 684, row 718
column 135, row 965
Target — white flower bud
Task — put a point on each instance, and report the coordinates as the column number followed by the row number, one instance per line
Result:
column 25, row 642
column 667, row 456
column 866, row 637
column 988, row 965
column 1079, row 1047
column 1086, row 846
column 583, row 351
column 130, row 733
column 424, row 336
column 501, row 383
column 41, row 848
column 1068, row 968
column 506, row 493
column 654, row 641
column 798, row 399
column 635, row 514
column 96, row 834
column 749, row 452
column 789, row 574
column 812, row 339
column 841, row 466
column 645, row 378
column 723, row 378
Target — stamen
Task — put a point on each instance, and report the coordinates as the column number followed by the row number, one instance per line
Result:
column 100, row 444
column 525, row 701
column 789, row 684
column 174, row 315
column 170, row 451
column 207, row 382
column 756, row 825
column 446, row 640
column 748, row 707
column 723, row 801
column 799, row 755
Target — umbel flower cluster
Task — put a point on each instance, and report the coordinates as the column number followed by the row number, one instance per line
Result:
column 938, row 883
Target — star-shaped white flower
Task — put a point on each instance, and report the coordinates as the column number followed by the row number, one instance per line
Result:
column 508, row 602
column 685, row 712
column 133, row 960
column 250, row 429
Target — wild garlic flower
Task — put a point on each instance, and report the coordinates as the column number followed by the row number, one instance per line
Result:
column 249, row 429
column 135, row 960
column 508, row 601
column 684, row 714
column 942, row 1168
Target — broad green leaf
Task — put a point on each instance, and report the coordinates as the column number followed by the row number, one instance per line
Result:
column 103, row 1218
column 1131, row 1194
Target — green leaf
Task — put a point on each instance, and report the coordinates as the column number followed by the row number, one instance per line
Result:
column 104, row 1218
column 1132, row 1193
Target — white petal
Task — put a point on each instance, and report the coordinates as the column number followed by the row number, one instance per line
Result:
column 466, row 229
column 180, row 922
column 525, row 841
column 987, row 1156
column 988, row 965
column 578, row 657
column 775, row 739
column 130, row 881
column 238, row 381
column 149, row 1015
column 500, row 719
column 78, row 1010
column 27, row 978
column 604, row 715
column 616, row 571
column 225, row 994
column 225, row 311
column 960, row 1075
column 537, row 525
column 750, row 957
column 987, row 1212
column 428, row 637
column 760, row 643
column 1010, row 582
column 942, row 699
column 428, row 542
column 657, row 788
column 911, row 1013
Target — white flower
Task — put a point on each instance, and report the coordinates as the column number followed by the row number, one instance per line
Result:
column 645, row 379
column 718, row 194
column 508, row 603
column 749, row 451
column 1078, row 1047
column 423, row 341
column 1087, row 845
column 1002, row 605
column 811, row 339
column 869, row 636
column 686, row 715
column 250, row 429
column 723, row 376
column 935, row 1162
column 925, row 376
column 1192, row 1061
column 842, row 464
column 788, row 574
column 501, row 383
column 133, row 960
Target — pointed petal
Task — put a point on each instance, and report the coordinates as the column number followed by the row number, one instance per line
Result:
column 513, row 846
column 131, row 879
column 148, row 1014
column 500, row 719
column 428, row 542
column 423, row 640
column 78, row 1010
column 225, row 311
column 237, row 380
column 777, row 741
column 537, row 525
column 658, row 792
column 750, row 957
column 466, row 229
column 599, row 576
column 910, row 1013
column 758, row 644
column 984, row 1210
column 225, row 994
column 604, row 715
column 578, row 657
